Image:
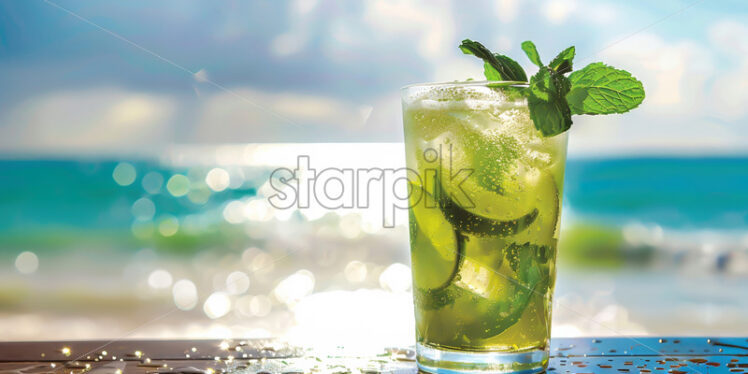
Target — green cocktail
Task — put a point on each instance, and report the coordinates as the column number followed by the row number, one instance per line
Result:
column 484, row 216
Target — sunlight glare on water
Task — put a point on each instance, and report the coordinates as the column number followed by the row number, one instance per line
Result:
column 295, row 287
column 217, row 305
column 396, row 278
column 341, row 318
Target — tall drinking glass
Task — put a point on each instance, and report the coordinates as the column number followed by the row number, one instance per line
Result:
column 485, row 202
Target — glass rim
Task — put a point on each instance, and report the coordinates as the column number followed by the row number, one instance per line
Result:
column 483, row 83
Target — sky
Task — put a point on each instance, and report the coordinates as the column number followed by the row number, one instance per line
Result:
column 81, row 77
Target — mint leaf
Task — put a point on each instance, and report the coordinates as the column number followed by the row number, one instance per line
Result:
column 496, row 66
column 602, row 89
column 532, row 53
column 514, row 70
column 549, row 110
column 562, row 62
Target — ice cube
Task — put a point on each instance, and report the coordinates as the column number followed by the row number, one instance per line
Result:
column 485, row 281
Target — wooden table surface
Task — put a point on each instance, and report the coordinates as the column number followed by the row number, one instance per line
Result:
column 621, row 355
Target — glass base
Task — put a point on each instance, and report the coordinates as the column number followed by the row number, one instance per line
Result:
column 447, row 361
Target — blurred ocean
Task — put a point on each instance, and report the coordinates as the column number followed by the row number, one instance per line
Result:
column 86, row 242
column 683, row 193
column 42, row 198
column 56, row 203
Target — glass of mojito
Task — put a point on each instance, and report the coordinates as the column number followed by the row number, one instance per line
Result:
column 485, row 202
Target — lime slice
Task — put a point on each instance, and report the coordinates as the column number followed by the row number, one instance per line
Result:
column 527, row 261
column 543, row 231
column 468, row 222
column 510, row 302
column 486, row 178
column 497, row 294
column 436, row 248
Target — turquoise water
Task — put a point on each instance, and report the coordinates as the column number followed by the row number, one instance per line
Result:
column 49, row 204
column 675, row 193
column 84, row 194
column 49, row 198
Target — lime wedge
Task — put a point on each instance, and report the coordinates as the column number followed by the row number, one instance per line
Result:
column 436, row 248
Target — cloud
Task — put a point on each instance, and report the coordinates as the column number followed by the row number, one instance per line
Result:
column 287, row 44
column 250, row 115
column 728, row 95
column 341, row 69
column 693, row 102
column 601, row 14
column 301, row 17
column 506, row 10
column 730, row 36
column 87, row 120
column 637, row 134
column 686, row 78
column 674, row 73
column 430, row 23
column 458, row 68
column 113, row 121
column 557, row 11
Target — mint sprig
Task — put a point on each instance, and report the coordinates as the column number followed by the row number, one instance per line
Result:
column 495, row 66
column 548, row 88
column 553, row 97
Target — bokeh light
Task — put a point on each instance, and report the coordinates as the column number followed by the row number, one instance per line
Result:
column 184, row 293
column 199, row 194
column 159, row 279
column 294, row 287
column 152, row 182
column 27, row 262
column 143, row 209
column 217, row 305
column 258, row 210
column 254, row 306
column 124, row 174
column 262, row 263
column 168, row 225
column 233, row 212
column 237, row 283
column 218, row 179
column 396, row 278
column 355, row 272
column 178, row 185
